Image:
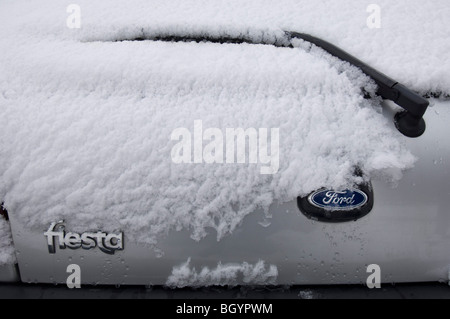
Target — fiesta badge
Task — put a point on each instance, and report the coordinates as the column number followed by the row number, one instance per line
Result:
column 336, row 206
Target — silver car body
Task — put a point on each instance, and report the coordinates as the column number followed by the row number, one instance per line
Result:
column 407, row 234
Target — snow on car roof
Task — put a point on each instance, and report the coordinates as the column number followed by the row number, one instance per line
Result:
column 410, row 45
column 90, row 126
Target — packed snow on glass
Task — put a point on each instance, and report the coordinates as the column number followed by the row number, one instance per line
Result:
column 87, row 120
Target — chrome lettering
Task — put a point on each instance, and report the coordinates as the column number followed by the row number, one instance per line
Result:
column 107, row 243
column 333, row 198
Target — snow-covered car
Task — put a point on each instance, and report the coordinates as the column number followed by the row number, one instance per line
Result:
column 224, row 143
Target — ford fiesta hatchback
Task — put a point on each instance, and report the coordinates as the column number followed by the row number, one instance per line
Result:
column 246, row 143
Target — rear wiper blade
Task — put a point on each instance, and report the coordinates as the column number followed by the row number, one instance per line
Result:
column 410, row 122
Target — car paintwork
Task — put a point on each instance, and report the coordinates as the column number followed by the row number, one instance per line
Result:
column 407, row 234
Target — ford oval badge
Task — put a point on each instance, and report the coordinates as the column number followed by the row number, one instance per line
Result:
column 338, row 200
column 337, row 206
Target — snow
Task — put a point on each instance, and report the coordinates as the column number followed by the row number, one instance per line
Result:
column 411, row 46
column 307, row 294
column 7, row 252
column 86, row 121
column 231, row 274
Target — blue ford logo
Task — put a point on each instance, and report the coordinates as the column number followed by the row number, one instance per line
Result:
column 338, row 200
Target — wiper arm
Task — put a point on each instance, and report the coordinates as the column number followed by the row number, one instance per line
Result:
column 410, row 122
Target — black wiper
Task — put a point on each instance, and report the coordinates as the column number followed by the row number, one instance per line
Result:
column 410, row 122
